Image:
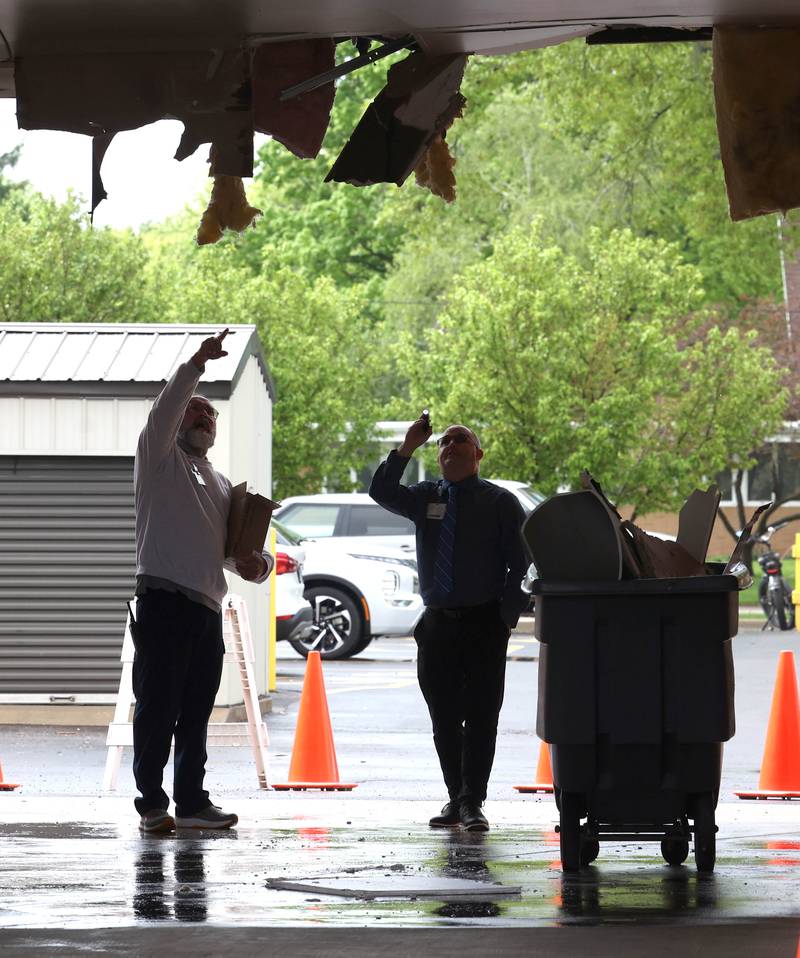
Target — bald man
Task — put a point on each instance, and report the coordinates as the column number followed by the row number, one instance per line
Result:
column 471, row 563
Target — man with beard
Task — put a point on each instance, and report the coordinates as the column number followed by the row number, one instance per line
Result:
column 182, row 506
column 471, row 564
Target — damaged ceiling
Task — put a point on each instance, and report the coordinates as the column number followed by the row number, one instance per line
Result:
column 228, row 68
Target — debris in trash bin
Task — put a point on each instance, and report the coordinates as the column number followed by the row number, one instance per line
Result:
column 659, row 559
column 696, row 520
column 744, row 535
column 613, row 549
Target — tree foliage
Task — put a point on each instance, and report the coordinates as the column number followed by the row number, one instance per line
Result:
column 586, row 299
column 597, row 363
column 8, row 161
column 57, row 269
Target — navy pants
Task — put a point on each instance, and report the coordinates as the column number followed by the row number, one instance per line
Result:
column 176, row 674
column 461, row 667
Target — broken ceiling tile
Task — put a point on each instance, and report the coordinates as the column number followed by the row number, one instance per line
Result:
column 299, row 123
column 99, row 94
column 757, row 89
column 419, row 102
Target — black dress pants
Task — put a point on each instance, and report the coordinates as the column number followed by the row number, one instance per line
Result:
column 176, row 675
column 461, row 667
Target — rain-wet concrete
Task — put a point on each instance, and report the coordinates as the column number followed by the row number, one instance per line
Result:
column 77, row 877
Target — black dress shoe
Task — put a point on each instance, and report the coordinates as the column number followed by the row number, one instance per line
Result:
column 472, row 818
column 449, row 817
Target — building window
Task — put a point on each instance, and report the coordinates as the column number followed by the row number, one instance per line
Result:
column 775, row 475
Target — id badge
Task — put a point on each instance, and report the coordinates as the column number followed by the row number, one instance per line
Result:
column 436, row 510
column 196, row 473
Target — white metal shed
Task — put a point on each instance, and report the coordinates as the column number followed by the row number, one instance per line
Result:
column 73, row 399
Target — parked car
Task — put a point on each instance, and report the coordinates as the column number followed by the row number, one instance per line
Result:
column 349, row 516
column 295, row 619
column 355, row 521
column 357, row 590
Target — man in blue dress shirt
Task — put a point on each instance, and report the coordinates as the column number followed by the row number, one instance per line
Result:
column 471, row 563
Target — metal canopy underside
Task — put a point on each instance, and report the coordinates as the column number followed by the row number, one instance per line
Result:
column 41, row 27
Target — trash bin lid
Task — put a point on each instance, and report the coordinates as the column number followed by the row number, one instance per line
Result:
column 572, row 537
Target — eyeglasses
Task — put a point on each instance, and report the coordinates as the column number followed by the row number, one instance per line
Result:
column 457, row 437
column 202, row 407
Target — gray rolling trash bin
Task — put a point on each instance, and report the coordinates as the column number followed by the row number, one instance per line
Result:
column 635, row 700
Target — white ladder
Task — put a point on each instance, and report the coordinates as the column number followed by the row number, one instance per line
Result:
column 239, row 650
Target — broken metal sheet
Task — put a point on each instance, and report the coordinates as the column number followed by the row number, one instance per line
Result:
column 104, row 93
column 419, row 102
column 757, row 89
column 300, row 123
column 401, row 886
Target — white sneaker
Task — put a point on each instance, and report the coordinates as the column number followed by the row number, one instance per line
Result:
column 156, row 821
column 210, row 817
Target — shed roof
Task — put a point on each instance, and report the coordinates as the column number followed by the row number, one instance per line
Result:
column 104, row 354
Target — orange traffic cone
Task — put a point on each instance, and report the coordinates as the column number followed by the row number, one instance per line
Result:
column 780, row 767
column 313, row 762
column 6, row 786
column 544, row 774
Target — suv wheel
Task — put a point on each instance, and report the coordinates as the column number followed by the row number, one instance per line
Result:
column 338, row 624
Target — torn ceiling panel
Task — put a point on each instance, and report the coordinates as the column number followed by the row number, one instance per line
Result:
column 299, row 123
column 419, row 102
column 102, row 94
column 98, row 68
column 757, row 91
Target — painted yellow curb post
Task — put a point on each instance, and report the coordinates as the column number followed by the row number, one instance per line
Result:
column 796, row 593
column 272, row 662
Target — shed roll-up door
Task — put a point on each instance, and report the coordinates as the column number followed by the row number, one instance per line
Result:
column 67, row 566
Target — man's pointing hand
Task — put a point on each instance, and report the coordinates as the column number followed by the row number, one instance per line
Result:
column 210, row 348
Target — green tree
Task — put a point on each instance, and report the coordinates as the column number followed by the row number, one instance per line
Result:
column 597, row 363
column 317, row 345
column 577, row 137
column 7, row 162
column 57, row 269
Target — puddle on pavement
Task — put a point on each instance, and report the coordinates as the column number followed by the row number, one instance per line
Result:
column 72, row 875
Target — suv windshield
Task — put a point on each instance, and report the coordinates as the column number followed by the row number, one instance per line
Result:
column 285, row 535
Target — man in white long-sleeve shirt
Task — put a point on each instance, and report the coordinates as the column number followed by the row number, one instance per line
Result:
column 182, row 506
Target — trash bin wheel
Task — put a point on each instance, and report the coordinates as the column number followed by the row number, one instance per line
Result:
column 570, row 831
column 705, row 832
column 590, row 849
column 674, row 850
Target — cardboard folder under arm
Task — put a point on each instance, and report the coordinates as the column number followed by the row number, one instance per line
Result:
column 248, row 522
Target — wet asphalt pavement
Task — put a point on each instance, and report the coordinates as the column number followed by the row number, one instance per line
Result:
column 76, row 876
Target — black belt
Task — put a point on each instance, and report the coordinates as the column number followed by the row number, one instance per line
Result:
column 463, row 611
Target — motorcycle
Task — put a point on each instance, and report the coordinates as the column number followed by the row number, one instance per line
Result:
column 774, row 592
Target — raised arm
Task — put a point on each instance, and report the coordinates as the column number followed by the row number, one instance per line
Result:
column 164, row 420
column 385, row 487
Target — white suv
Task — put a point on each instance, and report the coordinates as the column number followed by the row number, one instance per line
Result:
column 358, row 589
